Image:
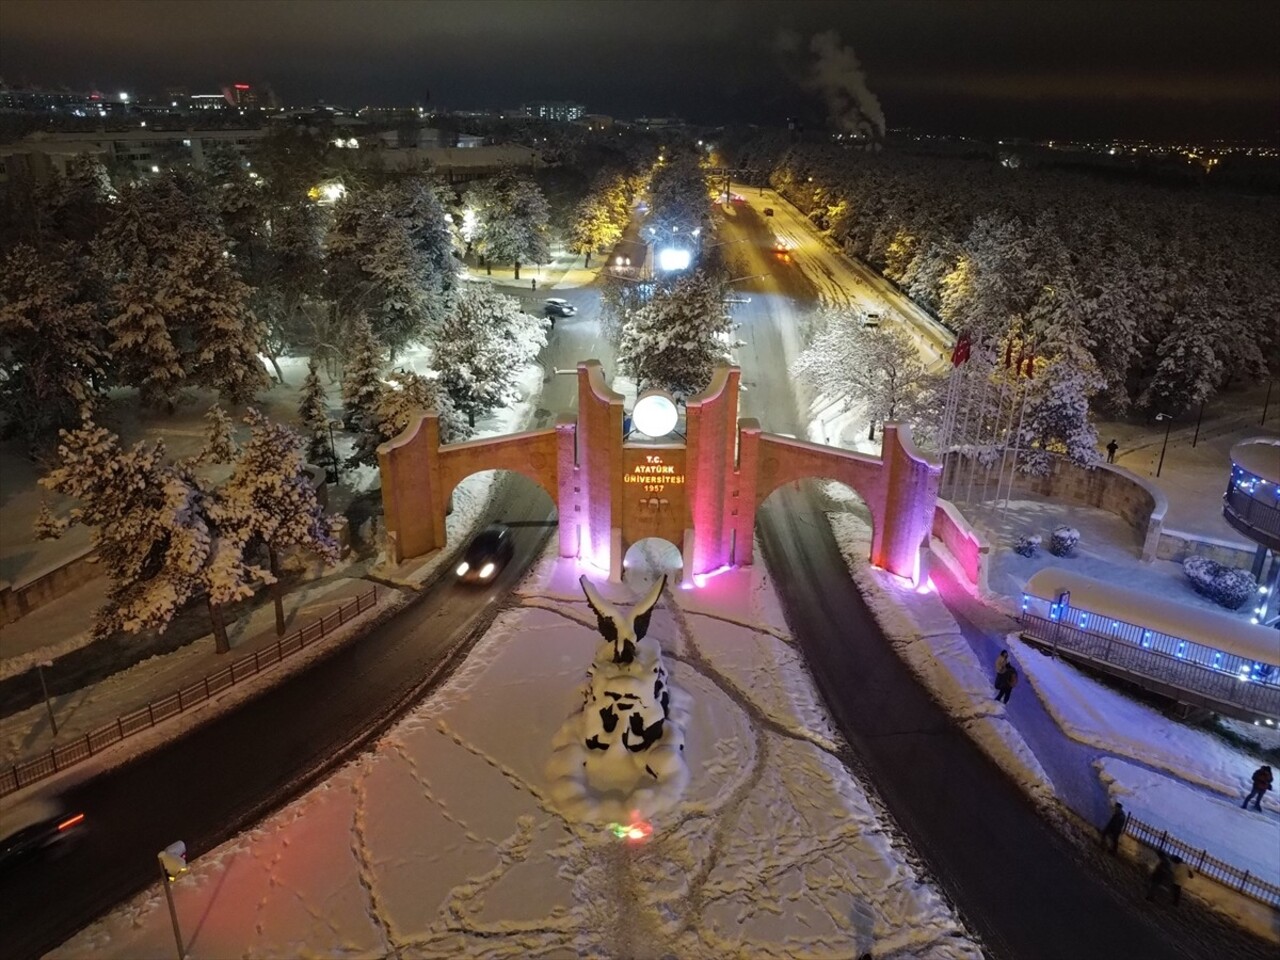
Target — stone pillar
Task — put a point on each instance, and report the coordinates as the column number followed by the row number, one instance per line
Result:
column 910, row 496
column 569, row 500
column 710, row 420
column 412, row 492
column 742, row 499
column 599, row 467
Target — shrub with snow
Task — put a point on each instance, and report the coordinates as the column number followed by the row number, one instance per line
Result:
column 1226, row 586
column 1064, row 540
column 1027, row 546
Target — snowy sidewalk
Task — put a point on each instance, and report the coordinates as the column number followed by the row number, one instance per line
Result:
column 564, row 272
column 27, row 733
column 443, row 840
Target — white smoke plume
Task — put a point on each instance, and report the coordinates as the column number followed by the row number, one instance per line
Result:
column 838, row 75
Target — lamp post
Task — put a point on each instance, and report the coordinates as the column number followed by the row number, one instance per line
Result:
column 333, row 453
column 48, row 705
column 1168, row 426
column 173, row 864
column 1266, row 404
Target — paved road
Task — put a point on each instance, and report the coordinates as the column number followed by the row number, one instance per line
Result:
column 1027, row 891
column 214, row 782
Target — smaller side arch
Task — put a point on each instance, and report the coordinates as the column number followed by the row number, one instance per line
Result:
column 532, row 454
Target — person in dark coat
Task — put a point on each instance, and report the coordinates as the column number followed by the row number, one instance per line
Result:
column 1002, row 661
column 1112, row 832
column 1261, row 784
column 1170, row 872
column 1005, row 683
column 1112, row 447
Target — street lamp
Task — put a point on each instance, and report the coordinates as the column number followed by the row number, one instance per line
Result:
column 48, row 705
column 173, row 864
column 1169, row 426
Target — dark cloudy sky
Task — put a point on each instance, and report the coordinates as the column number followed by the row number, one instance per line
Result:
column 1021, row 67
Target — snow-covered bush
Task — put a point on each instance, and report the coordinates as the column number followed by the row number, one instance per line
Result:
column 1027, row 546
column 1226, row 586
column 1063, row 541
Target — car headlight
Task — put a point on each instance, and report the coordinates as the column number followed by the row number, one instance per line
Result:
column 486, row 571
column 463, row 567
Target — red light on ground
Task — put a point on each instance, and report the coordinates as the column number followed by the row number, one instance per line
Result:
column 241, row 86
column 70, row 821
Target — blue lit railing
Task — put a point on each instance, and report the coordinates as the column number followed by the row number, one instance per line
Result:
column 1175, row 661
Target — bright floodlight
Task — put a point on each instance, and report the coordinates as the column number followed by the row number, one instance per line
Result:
column 655, row 413
column 673, row 259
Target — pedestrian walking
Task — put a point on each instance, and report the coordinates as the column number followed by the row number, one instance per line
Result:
column 1005, row 683
column 1169, row 872
column 1002, row 661
column 1112, row 447
column 1112, row 832
column 1261, row 784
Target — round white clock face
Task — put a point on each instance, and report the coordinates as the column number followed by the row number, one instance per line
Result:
column 655, row 414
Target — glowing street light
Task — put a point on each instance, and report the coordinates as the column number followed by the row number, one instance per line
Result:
column 173, row 864
column 672, row 259
column 655, row 414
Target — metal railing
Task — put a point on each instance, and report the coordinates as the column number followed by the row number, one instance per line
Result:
column 1242, row 881
column 1224, row 679
column 60, row 758
column 1253, row 517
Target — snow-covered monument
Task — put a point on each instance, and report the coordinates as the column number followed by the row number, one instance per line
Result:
column 699, row 491
column 620, row 757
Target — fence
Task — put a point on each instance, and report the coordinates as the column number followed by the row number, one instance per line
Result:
column 29, row 771
column 1199, row 861
column 1211, row 675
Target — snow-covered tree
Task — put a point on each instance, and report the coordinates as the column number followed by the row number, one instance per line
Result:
column 878, row 367
column 405, row 395
column 390, row 256
column 362, row 374
column 53, row 355
column 47, row 526
column 313, row 412
column 676, row 339
column 219, row 437
column 512, row 217
column 484, row 342
column 177, row 310
column 148, row 524
column 269, row 502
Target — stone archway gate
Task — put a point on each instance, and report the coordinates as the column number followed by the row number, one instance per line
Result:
column 701, row 495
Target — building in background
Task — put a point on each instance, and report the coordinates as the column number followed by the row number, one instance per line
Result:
column 562, row 111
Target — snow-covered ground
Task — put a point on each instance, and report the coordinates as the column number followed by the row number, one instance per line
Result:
column 925, row 635
column 1245, row 839
column 443, row 841
column 27, row 733
column 1108, row 550
column 1091, row 712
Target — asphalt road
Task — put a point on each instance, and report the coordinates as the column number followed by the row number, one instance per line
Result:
column 1025, row 889
column 222, row 777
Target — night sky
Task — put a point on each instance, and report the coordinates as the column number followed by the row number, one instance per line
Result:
column 1017, row 68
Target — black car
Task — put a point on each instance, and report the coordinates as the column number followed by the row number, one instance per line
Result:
column 34, row 837
column 556, row 307
column 490, row 551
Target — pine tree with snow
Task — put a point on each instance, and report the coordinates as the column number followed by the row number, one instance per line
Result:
column 269, row 503
column 405, row 395
column 362, row 375
column 53, row 356
column 313, row 413
column 676, row 339
column 484, row 343
column 219, row 438
column 512, row 219
column 47, row 526
column 148, row 524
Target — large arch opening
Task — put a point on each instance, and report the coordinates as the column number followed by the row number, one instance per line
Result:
column 649, row 559
column 843, row 508
column 498, row 496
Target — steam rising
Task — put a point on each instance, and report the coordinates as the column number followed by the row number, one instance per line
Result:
column 838, row 75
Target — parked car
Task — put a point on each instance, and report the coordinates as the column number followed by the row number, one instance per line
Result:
column 490, row 551
column 768, row 211
column 871, row 318
column 555, row 307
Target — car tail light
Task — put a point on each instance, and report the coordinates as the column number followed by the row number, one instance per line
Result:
column 70, row 822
